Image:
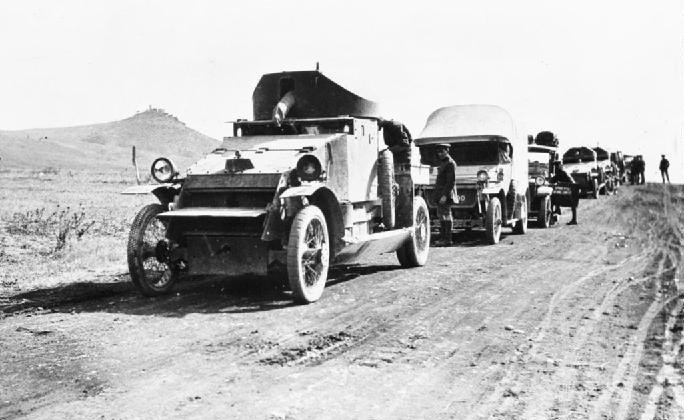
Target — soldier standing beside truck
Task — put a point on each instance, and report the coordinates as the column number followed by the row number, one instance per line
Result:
column 445, row 189
column 562, row 177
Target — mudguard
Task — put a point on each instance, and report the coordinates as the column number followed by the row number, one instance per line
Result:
column 491, row 190
column 303, row 190
column 163, row 192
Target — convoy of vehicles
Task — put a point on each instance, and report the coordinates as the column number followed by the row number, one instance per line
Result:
column 491, row 167
column 319, row 178
column 308, row 183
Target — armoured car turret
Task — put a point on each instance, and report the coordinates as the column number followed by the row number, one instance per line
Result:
column 309, row 182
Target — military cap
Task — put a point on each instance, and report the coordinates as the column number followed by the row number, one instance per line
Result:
column 443, row 146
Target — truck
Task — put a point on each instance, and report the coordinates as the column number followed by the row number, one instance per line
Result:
column 316, row 178
column 491, row 167
column 581, row 163
column 542, row 151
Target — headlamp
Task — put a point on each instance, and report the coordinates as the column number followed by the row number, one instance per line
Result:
column 309, row 168
column 482, row 176
column 163, row 170
column 539, row 181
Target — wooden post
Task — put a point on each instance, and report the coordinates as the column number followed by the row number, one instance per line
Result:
column 135, row 165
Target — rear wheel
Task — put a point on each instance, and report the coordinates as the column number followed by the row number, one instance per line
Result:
column 414, row 253
column 544, row 215
column 308, row 257
column 493, row 221
column 148, row 253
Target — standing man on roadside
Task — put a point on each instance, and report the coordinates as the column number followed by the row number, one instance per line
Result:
column 445, row 193
column 642, row 170
column 664, row 166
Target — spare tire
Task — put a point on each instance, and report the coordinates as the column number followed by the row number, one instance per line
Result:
column 386, row 187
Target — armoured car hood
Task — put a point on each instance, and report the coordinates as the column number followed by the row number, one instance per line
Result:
column 268, row 154
column 583, row 167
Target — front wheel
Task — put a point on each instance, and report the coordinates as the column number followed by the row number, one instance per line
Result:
column 544, row 216
column 308, row 254
column 493, row 221
column 147, row 253
column 414, row 253
column 521, row 225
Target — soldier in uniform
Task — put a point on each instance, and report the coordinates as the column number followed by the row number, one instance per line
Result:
column 563, row 177
column 445, row 193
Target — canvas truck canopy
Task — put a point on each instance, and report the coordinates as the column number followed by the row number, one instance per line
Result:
column 467, row 121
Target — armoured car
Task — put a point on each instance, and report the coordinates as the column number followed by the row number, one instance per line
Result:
column 582, row 165
column 309, row 182
column 491, row 167
column 542, row 152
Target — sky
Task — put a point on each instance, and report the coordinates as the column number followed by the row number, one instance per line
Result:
column 594, row 72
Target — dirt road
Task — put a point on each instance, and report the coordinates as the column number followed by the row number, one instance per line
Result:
column 568, row 322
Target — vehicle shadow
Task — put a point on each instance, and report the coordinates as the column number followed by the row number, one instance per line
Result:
column 191, row 295
column 471, row 238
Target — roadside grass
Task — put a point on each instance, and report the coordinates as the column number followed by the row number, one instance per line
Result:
column 56, row 225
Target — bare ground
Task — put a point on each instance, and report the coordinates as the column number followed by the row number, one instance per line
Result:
column 569, row 322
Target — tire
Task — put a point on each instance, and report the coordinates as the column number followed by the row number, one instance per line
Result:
column 493, row 222
column 150, row 275
column 595, row 189
column 544, row 213
column 414, row 253
column 520, row 227
column 386, row 188
column 308, row 255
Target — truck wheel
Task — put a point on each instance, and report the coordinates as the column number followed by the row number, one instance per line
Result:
column 493, row 221
column 308, row 257
column 544, row 216
column 520, row 227
column 414, row 253
column 147, row 253
column 386, row 187
column 595, row 189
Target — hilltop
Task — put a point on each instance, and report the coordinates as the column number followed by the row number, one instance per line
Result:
column 154, row 132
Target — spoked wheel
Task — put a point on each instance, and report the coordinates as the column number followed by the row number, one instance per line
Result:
column 414, row 253
column 148, row 253
column 544, row 215
column 308, row 255
column 493, row 221
column 521, row 225
column 595, row 191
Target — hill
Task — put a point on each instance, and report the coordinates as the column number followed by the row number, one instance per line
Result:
column 105, row 146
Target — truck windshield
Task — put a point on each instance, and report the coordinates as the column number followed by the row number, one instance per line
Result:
column 480, row 153
column 539, row 163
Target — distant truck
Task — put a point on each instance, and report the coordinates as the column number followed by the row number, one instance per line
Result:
column 583, row 166
column 491, row 167
column 542, row 152
column 608, row 169
column 308, row 183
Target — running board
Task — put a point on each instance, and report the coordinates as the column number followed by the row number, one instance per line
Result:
column 213, row 212
column 373, row 244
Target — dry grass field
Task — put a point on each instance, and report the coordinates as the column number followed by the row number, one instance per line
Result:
column 58, row 226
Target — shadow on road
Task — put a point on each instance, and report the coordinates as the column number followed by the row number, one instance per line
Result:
column 191, row 295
